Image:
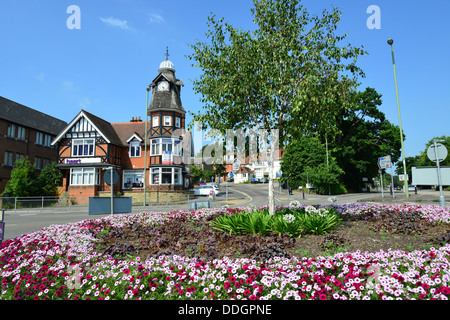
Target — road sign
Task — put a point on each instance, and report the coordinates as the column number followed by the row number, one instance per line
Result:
column 401, row 177
column 438, row 150
column 384, row 162
column 236, row 164
column 107, row 177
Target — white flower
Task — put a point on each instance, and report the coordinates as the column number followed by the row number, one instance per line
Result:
column 289, row 218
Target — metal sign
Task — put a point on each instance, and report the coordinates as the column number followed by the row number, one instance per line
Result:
column 401, row 177
column 384, row 162
column 428, row 176
column 236, row 164
column 107, row 177
column 437, row 152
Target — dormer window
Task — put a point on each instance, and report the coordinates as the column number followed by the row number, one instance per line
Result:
column 177, row 122
column 135, row 149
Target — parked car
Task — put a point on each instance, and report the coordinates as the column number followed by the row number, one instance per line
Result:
column 265, row 180
column 201, row 183
column 230, row 180
column 256, row 180
column 411, row 188
column 204, row 190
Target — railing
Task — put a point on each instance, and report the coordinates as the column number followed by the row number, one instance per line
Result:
column 153, row 199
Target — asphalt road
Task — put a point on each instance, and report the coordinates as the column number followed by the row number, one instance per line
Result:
column 24, row 221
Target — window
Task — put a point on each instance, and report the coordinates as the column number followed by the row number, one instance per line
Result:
column 156, row 149
column 168, row 146
column 83, row 147
column 166, row 176
column 177, row 122
column 135, row 149
column 154, row 176
column 84, row 176
column 155, row 121
column 11, row 131
column 9, row 159
column 48, row 140
column 19, row 156
column 39, row 138
column 38, row 163
column 167, row 120
column 21, row 133
column 133, row 179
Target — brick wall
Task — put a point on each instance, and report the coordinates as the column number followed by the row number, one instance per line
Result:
column 27, row 147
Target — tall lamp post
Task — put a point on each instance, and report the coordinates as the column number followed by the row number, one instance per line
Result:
column 145, row 150
column 390, row 42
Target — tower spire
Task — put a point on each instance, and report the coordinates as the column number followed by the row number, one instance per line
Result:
column 167, row 53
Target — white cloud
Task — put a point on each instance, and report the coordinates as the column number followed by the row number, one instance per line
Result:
column 40, row 77
column 85, row 103
column 68, row 85
column 114, row 22
column 155, row 18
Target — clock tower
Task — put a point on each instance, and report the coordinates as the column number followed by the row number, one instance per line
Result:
column 166, row 117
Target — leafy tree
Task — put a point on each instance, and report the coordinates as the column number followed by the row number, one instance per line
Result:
column 305, row 160
column 50, row 179
column 287, row 77
column 423, row 157
column 364, row 135
column 23, row 181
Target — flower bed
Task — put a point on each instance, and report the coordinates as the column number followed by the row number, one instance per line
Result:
column 61, row 262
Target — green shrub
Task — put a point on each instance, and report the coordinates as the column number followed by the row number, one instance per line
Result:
column 293, row 222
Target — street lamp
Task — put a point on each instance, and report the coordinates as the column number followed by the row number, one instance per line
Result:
column 390, row 42
column 145, row 150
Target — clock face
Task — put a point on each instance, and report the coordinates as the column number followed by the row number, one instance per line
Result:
column 163, row 86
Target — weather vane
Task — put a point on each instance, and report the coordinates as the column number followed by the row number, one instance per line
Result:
column 167, row 53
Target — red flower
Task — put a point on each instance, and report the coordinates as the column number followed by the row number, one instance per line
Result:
column 247, row 292
column 126, row 271
column 432, row 254
column 323, row 296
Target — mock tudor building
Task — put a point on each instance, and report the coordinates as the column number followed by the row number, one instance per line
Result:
column 25, row 132
column 89, row 145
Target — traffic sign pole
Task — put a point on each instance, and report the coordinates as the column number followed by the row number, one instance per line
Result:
column 441, row 194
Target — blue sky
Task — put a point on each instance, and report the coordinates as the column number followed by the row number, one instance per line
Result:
column 105, row 66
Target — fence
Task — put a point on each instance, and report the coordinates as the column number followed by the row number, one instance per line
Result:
column 153, row 198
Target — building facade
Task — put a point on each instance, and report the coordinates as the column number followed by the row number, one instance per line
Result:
column 89, row 145
column 25, row 132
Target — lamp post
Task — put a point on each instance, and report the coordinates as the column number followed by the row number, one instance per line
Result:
column 145, row 150
column 390, row 42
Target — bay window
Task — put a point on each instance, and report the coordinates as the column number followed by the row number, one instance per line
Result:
column 160, row 146
column 84, row 176
column 166, row 176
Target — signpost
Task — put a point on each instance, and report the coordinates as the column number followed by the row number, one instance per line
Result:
column 384, row 163
column 111, row 177
column 437, row 152
column 2, row 226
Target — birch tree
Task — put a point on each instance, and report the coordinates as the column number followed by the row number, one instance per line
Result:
column 286, row 77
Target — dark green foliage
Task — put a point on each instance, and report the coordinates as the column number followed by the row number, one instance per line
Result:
column 305, row 160
column 23, row 181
